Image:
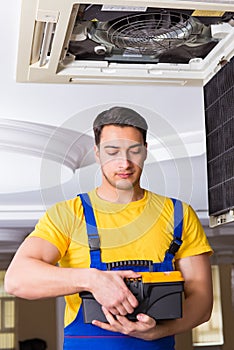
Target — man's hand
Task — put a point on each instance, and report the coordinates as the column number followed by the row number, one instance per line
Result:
column 110, row 290
column 143, row 328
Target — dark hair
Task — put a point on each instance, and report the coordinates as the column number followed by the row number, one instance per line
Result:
column 119, row 116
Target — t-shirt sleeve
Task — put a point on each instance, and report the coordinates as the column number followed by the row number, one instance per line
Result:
column 55, row 226
column 194, row 239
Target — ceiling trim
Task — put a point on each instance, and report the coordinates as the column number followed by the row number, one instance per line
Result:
column 64, row 146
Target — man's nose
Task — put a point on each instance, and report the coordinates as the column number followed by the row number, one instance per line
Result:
column 124, row 160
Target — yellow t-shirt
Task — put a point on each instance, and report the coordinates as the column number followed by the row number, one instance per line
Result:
column 140, row 230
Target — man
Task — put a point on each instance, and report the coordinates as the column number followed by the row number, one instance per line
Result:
column 134, row 226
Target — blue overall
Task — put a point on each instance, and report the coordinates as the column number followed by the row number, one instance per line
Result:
column 81, row 336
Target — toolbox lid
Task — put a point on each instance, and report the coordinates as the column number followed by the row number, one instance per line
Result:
column 159, row 277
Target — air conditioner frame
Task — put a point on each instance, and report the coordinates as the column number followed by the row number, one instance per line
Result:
column 62, row 14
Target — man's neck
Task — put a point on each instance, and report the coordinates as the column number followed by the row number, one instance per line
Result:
column 119, row 195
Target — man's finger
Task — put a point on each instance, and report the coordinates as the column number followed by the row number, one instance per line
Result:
column 146, row 319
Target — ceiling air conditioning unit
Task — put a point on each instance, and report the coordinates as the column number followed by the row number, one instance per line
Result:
column 125, row 41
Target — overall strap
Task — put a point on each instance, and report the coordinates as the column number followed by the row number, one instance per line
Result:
column 92, row 232
column 94, row 240
column 178, row 229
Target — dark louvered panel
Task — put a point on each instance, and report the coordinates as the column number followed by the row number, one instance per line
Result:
column 225, row 79
column 219, row 114
column 210, row 95
column 228, row 133
column 229, row 192
column 213, row 117
column 227, row 105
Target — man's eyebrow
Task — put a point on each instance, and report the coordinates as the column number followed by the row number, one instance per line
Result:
column 110, row 146
column 117, row 147
column 136, row 145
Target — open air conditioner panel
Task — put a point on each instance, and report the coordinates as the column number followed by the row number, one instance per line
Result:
column 152, row 36
column 66, row 42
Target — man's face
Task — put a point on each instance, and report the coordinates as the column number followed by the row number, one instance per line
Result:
column 121, row 154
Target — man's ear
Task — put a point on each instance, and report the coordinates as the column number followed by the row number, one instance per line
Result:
column 97, row 154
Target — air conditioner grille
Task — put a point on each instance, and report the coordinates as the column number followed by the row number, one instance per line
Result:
column 150, row 32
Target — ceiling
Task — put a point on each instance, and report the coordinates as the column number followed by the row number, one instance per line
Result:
column 41, row 144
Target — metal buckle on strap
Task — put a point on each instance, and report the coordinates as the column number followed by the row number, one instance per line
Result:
column 175, row 245
column 94, row 243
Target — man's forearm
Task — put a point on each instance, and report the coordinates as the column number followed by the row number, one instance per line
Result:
column 31, row 278
column 34, row 279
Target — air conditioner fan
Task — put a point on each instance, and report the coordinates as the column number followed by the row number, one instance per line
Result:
column 147, row 33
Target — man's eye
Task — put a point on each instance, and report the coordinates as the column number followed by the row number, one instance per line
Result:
column 112, row 153
column 136, row 151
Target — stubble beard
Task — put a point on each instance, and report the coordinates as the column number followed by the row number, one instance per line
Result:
column 123, row 185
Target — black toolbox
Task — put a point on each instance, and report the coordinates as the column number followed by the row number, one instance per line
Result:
column 159, row 295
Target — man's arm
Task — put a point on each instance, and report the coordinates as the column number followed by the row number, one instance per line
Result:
column 196, row 310
column 33, row 274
